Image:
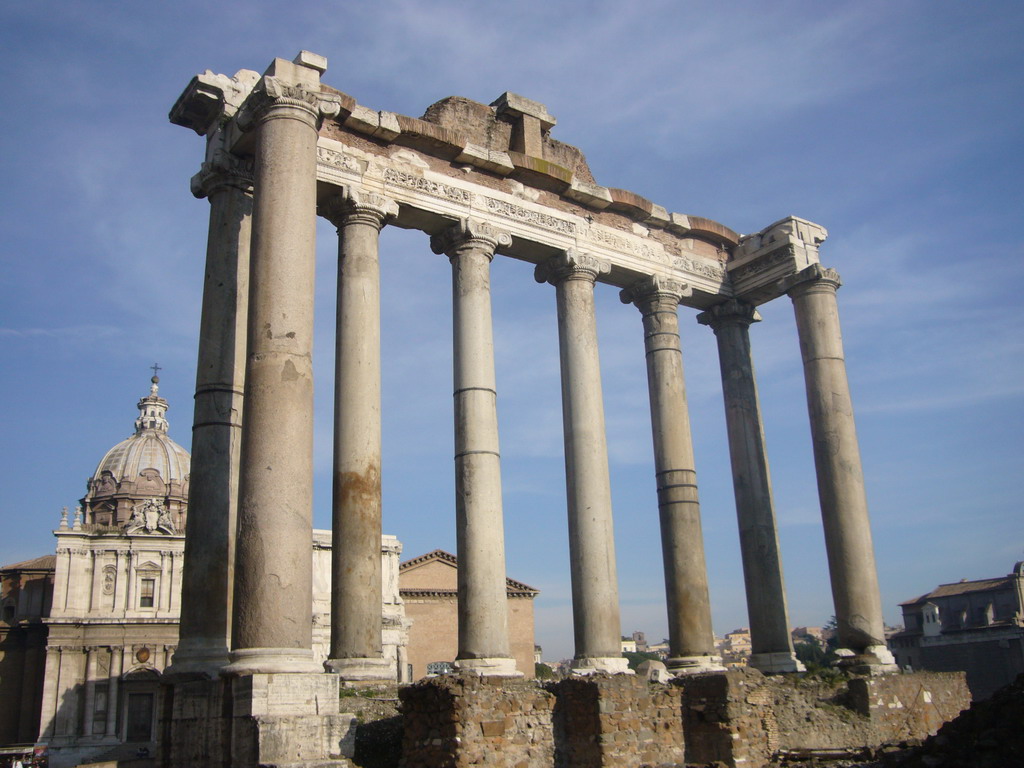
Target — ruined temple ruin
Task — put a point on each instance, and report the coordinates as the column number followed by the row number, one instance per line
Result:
column 481, row 181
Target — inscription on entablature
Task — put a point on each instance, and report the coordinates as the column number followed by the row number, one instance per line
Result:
column 427, row 186
column 528, row 216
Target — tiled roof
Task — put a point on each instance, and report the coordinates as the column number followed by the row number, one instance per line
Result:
column 963, row 588
column 44, row 563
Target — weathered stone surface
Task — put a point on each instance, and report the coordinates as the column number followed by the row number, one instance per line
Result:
column 463, row 720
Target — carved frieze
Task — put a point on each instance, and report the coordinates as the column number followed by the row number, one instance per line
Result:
column 427, row 186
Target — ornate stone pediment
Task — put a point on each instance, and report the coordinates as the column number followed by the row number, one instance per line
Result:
column 150, row 516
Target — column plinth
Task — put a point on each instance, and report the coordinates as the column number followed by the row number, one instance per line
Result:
column 844, row 509
column 771, row 642
column 356, row 579
column 208, row 577
column 595, row 592
column 691, row 639
column 272, row 617
column 484, row 646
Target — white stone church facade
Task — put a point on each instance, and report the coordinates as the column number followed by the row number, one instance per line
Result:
column 113, row 626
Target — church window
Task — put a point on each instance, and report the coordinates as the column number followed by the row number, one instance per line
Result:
column 146, row 595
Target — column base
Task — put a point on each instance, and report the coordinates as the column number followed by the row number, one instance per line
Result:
column 361, row 670
column 491, row 666
column 197, row 661
column 251, row 661
column 694, row 665
column 609, row 665
column 775, row 662
column 875, row 660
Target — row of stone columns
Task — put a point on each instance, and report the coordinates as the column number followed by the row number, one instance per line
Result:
column 248, row 577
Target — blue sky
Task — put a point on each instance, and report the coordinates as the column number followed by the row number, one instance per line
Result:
column 896, row 125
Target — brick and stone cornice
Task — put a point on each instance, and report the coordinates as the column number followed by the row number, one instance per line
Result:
column 356, row 206
column 470, row 235
column 571, row 265
column 731, row 312
column 275, row 98
column 655, row 294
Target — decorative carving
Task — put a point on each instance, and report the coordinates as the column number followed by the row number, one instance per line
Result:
column 428, row 187
column 654, row 293
column 814, row 277
column 470, row 235
column 528, row 216
column 109, row 576
column 356, row 206
column 273, row 93
column 701, row 267
column 571, row 265
column 64, row 519
column 728, row 312
column 338, row 160
column 615, row 242
column 223, row 170
column 764, row 263
column 150, row 516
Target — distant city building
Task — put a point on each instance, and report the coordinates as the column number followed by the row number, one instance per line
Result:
column 974, row 626
column 85, row 634
column 428, row 585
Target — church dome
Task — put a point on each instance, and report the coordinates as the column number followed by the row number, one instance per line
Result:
column 148, row 465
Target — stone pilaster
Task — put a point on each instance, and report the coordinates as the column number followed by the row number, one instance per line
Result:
column 772, row 644
column 207, row 580
column 272, row 612
column 691, row 638
column 483, row 611
column 595, row 591
column 356, row 650
column 844, row 509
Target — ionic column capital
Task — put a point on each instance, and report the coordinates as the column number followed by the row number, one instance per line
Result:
column 356, row 206
column 654, row 293
column 812, row 279
column 223, row 170
column 276, row 98
column 571, row 265
column 469, row 234
column 731, row 312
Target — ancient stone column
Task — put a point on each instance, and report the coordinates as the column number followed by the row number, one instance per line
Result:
column 483, row 607
column 691, row 638
column 272, row 620
column 595, row 592
column 771, row 642
column 207, row 581
column 844, row 509
column 356, row 591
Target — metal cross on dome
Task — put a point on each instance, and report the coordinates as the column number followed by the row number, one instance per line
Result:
column 156, row 368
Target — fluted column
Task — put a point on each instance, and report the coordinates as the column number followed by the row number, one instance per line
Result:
column 207, row 581
column 691, row 638
column 595, row 592
column 483, row 604
column 770, row 639
column 356, row 582
column 272, row 616
column 844, row 509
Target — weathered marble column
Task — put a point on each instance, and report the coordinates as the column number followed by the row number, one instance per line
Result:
column 771, row 642
column 483, row 605
column 691, row 638
column 844, row 509
column 272, row 620
column 356, row 583
column 595, row 591
column 207, row 581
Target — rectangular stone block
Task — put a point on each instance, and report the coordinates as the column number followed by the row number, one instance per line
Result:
column 285, row 694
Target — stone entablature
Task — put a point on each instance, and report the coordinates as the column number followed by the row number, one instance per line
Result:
column 457, row 161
